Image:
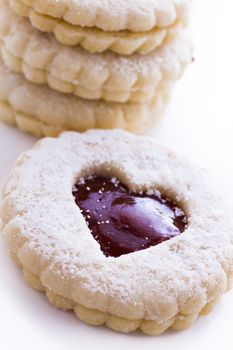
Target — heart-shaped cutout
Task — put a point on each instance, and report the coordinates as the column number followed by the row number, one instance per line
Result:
column 123, row 222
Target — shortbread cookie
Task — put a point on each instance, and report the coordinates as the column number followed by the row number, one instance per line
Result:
column 42, row 111
column 91, row 76
column 120, row 229
column 125, row 28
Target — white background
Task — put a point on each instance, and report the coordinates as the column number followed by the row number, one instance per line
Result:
column 198, row 123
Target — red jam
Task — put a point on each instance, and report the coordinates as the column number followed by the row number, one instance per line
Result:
column 123, row 222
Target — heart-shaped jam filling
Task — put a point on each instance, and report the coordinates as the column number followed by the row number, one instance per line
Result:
column 123, row 222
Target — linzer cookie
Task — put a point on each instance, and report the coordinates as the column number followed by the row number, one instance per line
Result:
column 101, row 90
column 133, row 236
column 91, row 76
column 124, row 27
column 43, row 111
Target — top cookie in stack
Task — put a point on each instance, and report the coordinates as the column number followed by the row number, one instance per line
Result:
column 112, row 63
column 123, row 26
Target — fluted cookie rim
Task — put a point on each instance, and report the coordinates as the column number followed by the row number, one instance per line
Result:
column 97, row 41
column 39, row 128
column 21, row 105
column 135, row 16
column 94, row 317
column 43, row 61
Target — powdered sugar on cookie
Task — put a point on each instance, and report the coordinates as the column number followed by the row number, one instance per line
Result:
column 107, row 76
column 48, row 233
column 111, row 15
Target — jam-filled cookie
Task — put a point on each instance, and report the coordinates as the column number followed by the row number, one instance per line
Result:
column 120, row 229
column 124, row 27
column 104, row 76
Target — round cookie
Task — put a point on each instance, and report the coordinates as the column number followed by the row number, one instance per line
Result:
column 42, row 111
column 166, row 285
column 124, row 28
column 91, row 76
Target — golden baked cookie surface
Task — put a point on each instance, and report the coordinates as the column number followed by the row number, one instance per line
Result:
column 45, row 112
column 94, row 39
column 111, row 15
column 91, row 76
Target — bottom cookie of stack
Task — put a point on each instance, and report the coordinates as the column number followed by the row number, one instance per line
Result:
column 44, row 112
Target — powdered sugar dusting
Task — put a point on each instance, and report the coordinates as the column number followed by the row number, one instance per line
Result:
column 166, row 58
column 111, row 15
column 39, row 195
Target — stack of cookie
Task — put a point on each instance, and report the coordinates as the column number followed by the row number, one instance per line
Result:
column 76, row 65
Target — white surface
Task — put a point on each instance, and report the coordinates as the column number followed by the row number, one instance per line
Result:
column 199, row 123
